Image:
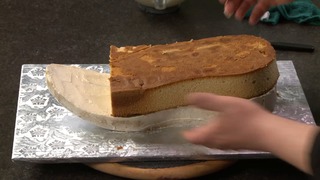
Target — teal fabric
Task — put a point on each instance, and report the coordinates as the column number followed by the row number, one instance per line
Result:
column 299, row 11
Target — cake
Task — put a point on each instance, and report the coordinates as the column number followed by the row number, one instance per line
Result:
column 147, row 85
column 146, row 79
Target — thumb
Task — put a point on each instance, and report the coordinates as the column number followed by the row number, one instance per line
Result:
column 201, row 135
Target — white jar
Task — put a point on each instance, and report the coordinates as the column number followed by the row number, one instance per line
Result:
column 160, row 4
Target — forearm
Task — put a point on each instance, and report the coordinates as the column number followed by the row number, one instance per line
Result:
column 291, row 141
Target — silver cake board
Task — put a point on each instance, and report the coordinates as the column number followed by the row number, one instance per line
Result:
column 46, row 132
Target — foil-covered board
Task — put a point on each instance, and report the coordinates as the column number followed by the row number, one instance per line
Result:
column 45, row 131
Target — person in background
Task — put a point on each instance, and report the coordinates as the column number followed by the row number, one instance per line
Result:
column 239, row 8
column 243, row 124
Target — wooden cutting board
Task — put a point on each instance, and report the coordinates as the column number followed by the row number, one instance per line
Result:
column 184, row 171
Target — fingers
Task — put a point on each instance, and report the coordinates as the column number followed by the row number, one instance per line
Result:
column 244, row 8
column 240, row 7
column 213, row 102
column 231, row 6
column 237, row 7
column 209, row 135
column 260, row 8
column 202, row 135
column 228, row 9
column 222, row 1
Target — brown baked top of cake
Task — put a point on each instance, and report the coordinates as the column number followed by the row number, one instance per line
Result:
column 147, row 67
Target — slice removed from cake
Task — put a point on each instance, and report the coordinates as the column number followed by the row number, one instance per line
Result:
column 84, row 92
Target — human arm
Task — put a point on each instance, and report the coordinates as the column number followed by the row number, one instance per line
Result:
column 242, row 124
column 239, row 8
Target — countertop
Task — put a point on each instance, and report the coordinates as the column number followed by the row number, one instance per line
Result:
column 78, row 31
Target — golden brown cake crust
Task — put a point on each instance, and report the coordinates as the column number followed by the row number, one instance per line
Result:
column 145, row 67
